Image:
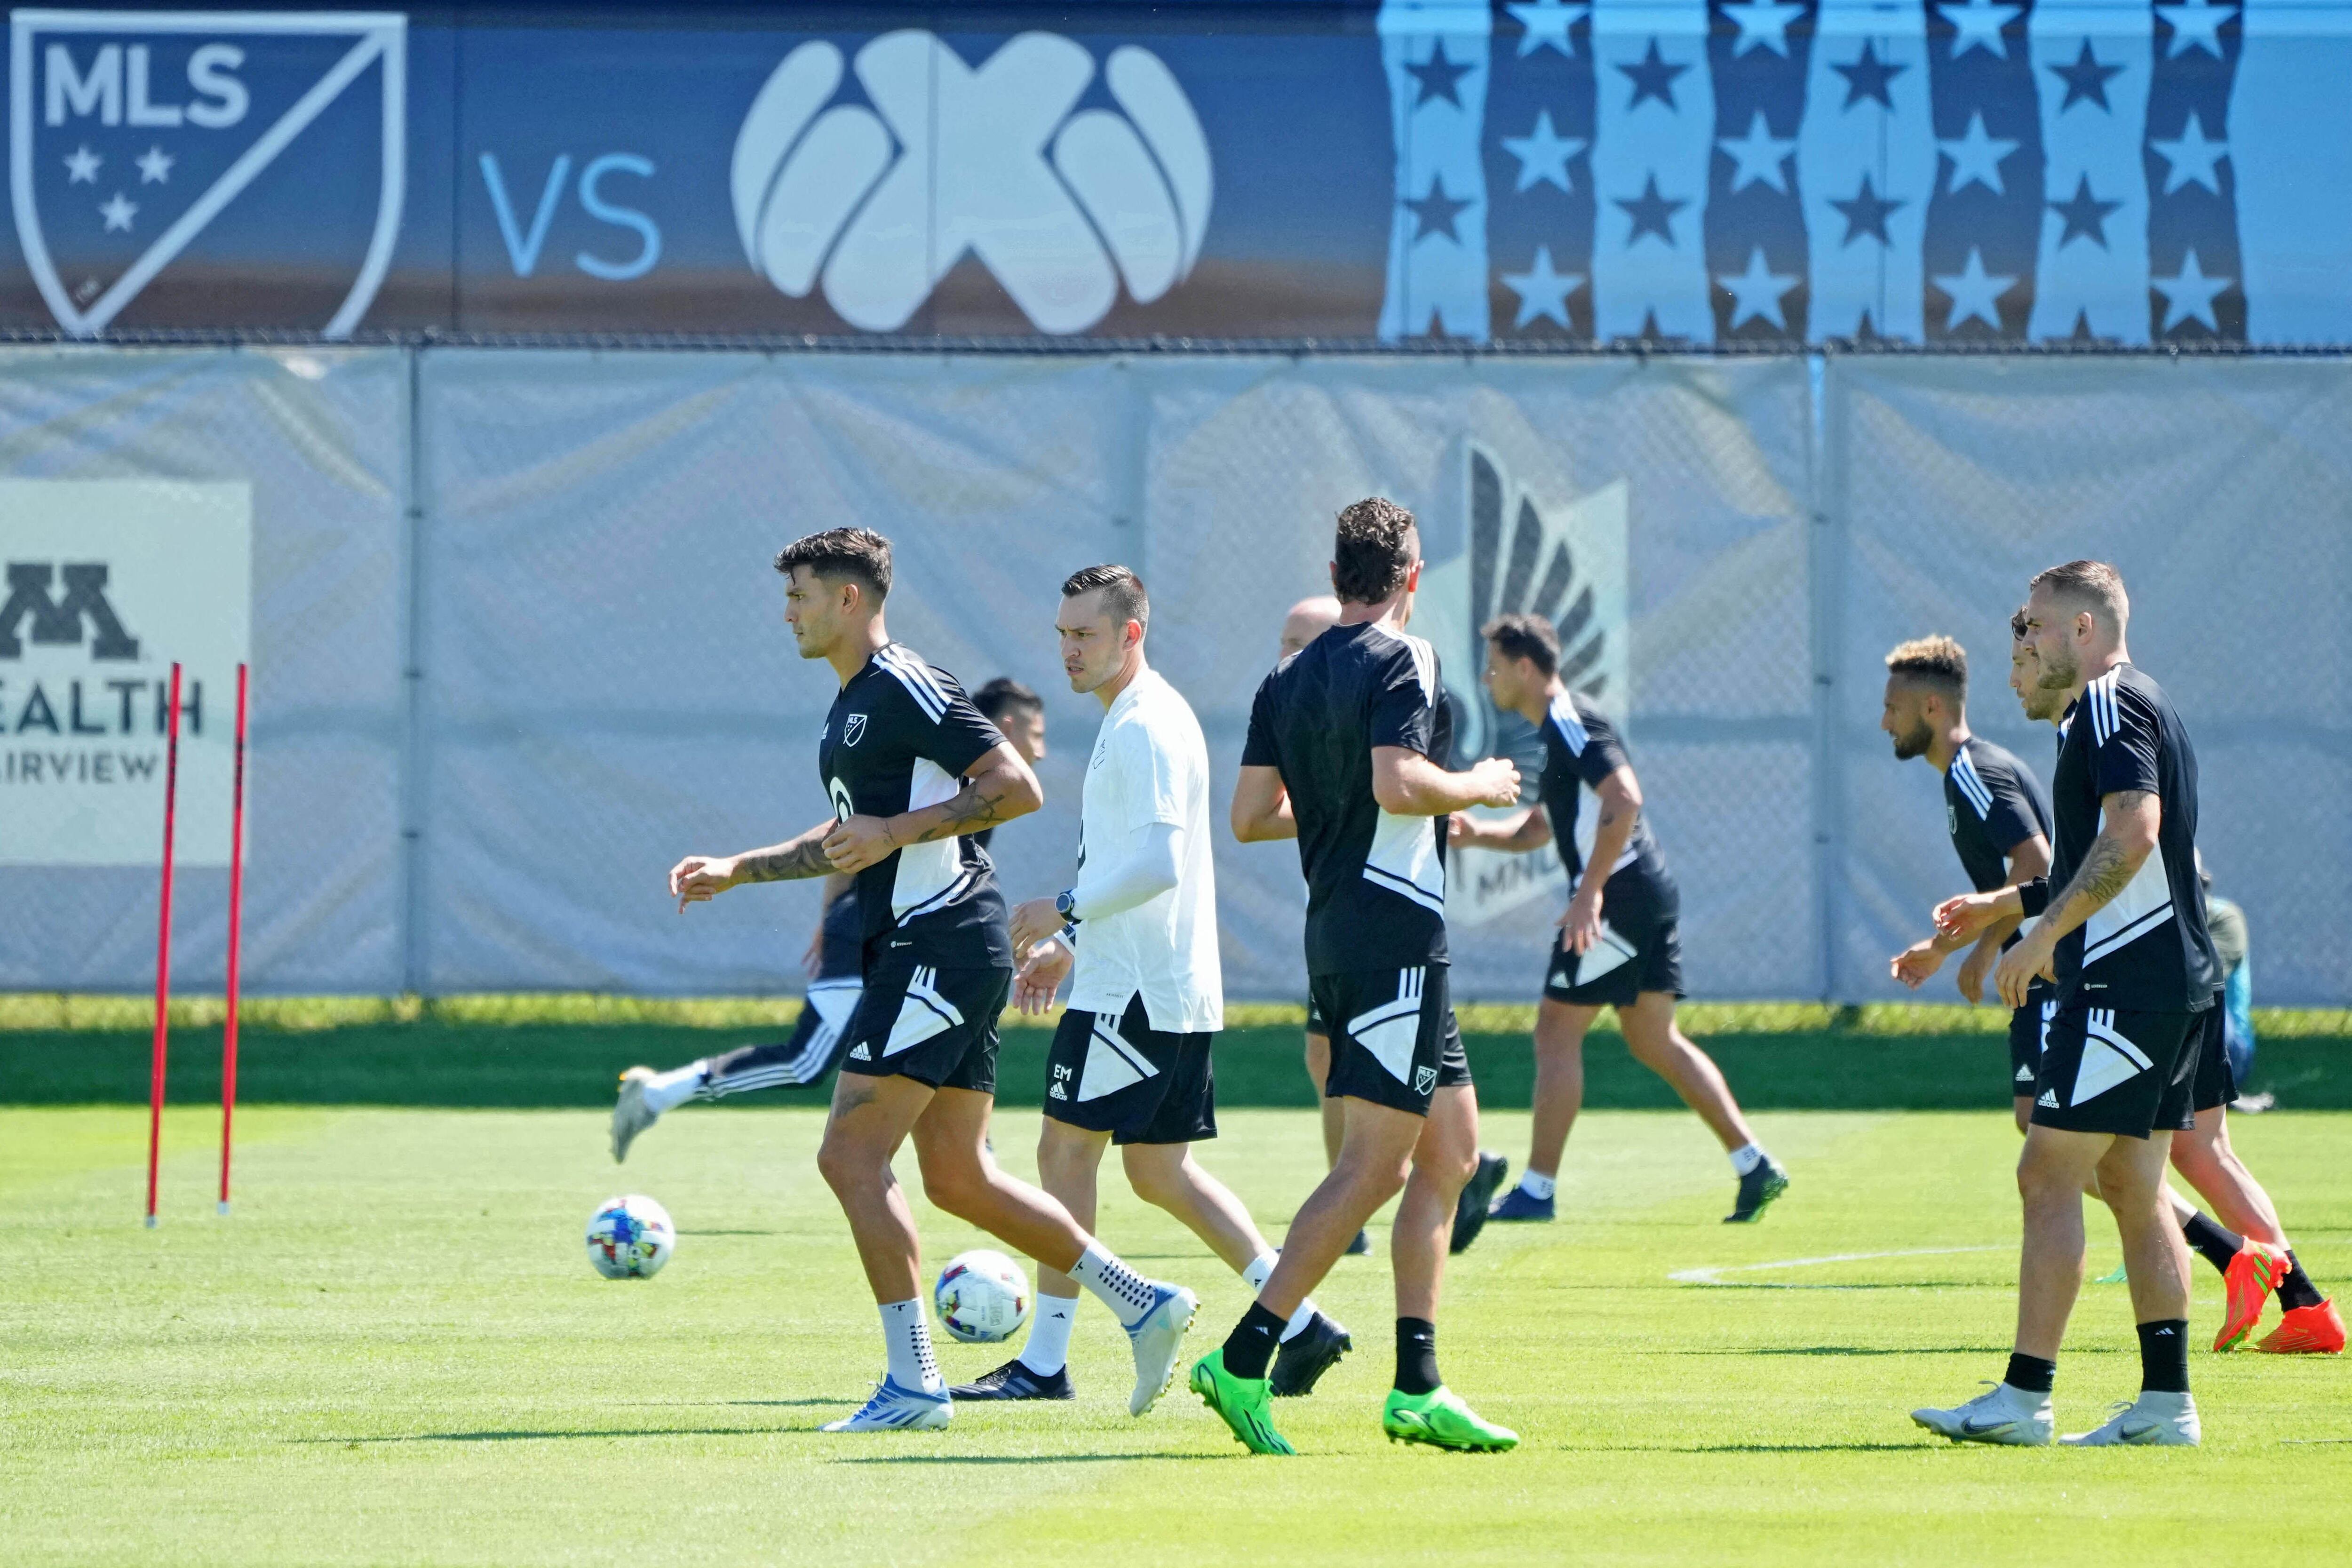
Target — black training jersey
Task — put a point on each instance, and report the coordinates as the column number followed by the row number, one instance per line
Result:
column 1375, row 883
column 1992, row 804
column 1582, row 749
column 841, row 944
column 2147, row 949
column 899, row 737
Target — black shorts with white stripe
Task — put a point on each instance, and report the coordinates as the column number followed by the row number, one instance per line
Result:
column 1393, row 1041
column 2214, row 1082
column 935, row 1026
column 1122, row 1077
column 2027, row 1027
column 1633, row 956
column 2105, row 1070
column 815, row 1049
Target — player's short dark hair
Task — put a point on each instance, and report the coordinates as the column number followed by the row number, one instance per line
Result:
column 1935, row 662
column 859, row 555
column 1005, row 695
column 1122, row 591
column 1372, row 553
column 1521, row 634
column 2092, row 584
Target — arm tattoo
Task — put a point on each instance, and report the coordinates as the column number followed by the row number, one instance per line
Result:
column 980, row 803
column 2104, row 871
column 804, row 857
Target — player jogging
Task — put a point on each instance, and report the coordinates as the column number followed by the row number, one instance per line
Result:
column 910, row 767
column 1130, row 1062
column 835, row 979
column 2122, row 933
column 1341, row 755
column 1619, row 943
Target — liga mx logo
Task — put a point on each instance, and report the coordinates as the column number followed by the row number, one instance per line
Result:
column 876, row 201
column 132, row 134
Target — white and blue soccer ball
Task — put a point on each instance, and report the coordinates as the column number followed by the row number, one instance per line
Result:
column 630, row 1237
column 982, row 1297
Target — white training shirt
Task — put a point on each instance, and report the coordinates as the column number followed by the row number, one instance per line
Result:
column 1151, row 765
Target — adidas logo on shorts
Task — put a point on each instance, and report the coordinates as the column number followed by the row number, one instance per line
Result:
column 2049, row 1097
column 1058, row 1092
column 861, row 1054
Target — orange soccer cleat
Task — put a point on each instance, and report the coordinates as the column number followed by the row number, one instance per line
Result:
column 2306, row 1331
column 2248, row 1282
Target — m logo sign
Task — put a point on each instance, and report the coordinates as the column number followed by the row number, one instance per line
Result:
column 131, row 135
column 60, row 621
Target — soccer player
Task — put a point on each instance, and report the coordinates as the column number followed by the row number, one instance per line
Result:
column 1341, row 755
column 2122, row 935
column 1619, row 945
column 911, row 767
column 1130, row 1062
column 833, row 963
column 2000, row 823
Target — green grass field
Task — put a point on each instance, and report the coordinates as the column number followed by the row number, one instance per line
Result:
column 394, row 1353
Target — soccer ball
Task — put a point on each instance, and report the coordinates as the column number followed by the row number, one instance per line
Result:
column 630, row 1238
column 982, row 1297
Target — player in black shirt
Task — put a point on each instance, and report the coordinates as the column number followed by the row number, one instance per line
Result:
column 1345, row 753
column 1619, row 944
column 913, row 769
column 2122, row 935
column 2000, row 823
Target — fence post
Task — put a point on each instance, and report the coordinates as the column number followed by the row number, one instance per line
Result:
column 1827, row 540
column 413, row 931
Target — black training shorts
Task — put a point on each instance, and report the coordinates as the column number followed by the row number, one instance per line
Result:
column 1630, row 959
column 1122, row 1077
column 2115, row 1071
column 2213, row 1082
column 2028, row 1026
column 1393, row 1040
column 935, row 1026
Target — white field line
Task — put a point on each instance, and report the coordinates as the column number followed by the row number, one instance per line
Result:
column 1713, row 1273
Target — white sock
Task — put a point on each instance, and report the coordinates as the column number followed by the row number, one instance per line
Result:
column 1255, row 1277
column 1127, row 1294
column 907, row 1336
column 1539, row 1187
column 1048, row 1350
column 667, row 1092
column 1747, row 1157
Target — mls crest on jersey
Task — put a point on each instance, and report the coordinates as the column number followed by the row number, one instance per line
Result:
column 853, row 729
column 154, row 149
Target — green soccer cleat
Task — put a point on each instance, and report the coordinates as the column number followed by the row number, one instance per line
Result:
column 1245, row 1403
column 1441, row 1420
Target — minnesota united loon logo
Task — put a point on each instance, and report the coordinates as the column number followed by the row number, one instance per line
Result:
column 139, row 140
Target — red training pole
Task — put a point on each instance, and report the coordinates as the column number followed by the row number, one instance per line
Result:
column 235, row 929
column 163, row 953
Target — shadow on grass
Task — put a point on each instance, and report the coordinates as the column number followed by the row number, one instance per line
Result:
column 1804, row 1448
column 1852, row 1350
column 536, row 1437
column 1032, row 1458
column 731, row 1232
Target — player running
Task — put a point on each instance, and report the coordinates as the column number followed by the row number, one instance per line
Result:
column 1130, row 1062
column 834, row 977
column 911, row 767
column 2122, row 933
column 1342, row 755
column 1619, row 943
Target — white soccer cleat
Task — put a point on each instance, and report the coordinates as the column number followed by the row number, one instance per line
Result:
column 631, row 1115
column 896, row 1408
column 2005, row 1415
column 2154, row 1420
column 1158, row 1340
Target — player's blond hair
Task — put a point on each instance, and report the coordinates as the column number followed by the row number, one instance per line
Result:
column 1935, row 661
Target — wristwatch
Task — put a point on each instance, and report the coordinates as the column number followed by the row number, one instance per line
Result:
column 1066, row 906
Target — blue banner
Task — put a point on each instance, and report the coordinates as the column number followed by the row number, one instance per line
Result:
column 1773, row 171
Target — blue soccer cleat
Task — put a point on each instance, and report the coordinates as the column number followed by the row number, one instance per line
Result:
column 1520, row 1204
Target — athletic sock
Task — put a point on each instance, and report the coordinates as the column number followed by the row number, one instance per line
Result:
column 1259, row 1270
column 1540, row 1188
column 2030, row 1373
column 1250, row 1344
column 2164, row 1356
column 1127, row 1294
column 1416, row 1356
column 2295, row 1288
column 2213, row 1244
column 665, row 1091
column 1747, row 1157
column 1047, row 1351
column 907, row 1336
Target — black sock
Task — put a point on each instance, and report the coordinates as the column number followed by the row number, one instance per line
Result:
column 2296, row 1290
column 2216, row 1246
column 2030, row 1373
column 2164, row 1356
column 1252, row 1343
column 1416, row 1355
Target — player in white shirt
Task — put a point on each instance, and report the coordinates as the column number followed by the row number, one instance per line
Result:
column 1131, row 1060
